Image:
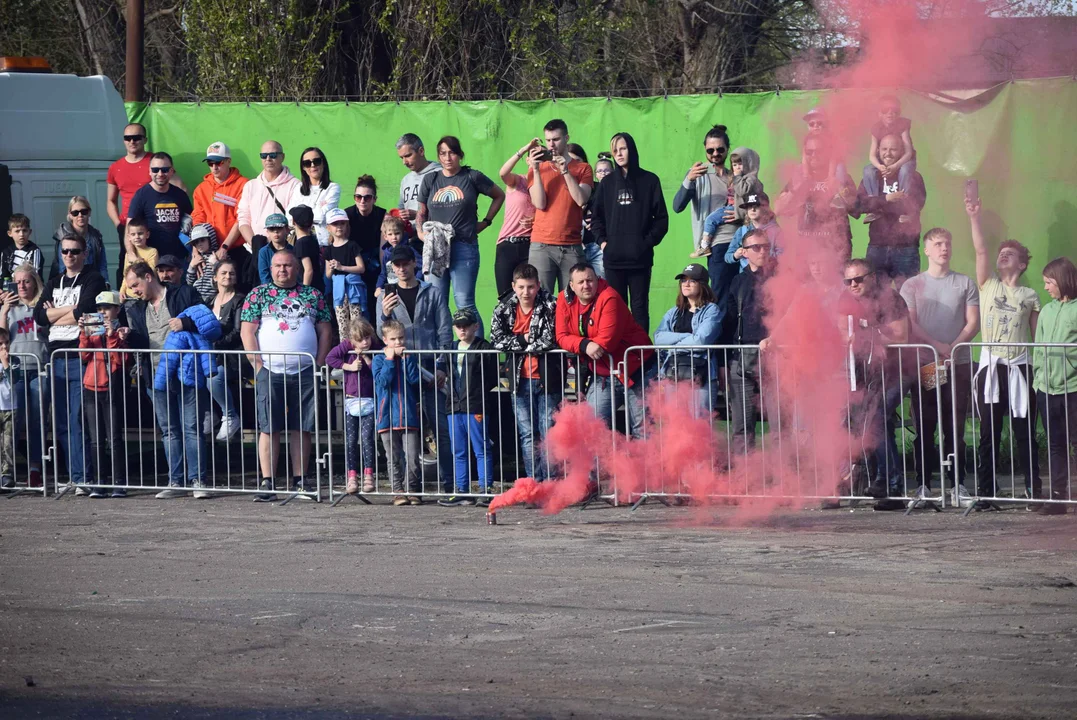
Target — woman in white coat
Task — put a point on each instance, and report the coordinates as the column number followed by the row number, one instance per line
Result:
column 316, row 190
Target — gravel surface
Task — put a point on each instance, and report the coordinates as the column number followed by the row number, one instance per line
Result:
column 230, row 609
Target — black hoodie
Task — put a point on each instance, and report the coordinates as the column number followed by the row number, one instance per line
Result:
column 630, row 214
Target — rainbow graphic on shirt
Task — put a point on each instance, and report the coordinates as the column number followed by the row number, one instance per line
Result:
column 448, row 195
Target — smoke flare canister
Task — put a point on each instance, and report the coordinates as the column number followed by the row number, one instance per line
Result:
column 491, row 518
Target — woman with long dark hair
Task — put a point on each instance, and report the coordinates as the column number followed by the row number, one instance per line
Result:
column 629, row 219
column 694, row 320
column 316, row 190
column 450, row 197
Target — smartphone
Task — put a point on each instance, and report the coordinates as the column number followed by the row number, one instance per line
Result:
column 546, row 155
column 390, row 289
column 11, row 287
column 972, row 190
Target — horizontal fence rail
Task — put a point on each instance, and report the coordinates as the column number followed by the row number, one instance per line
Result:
column 1021, row 422
column 132, row 420
column 893, row 424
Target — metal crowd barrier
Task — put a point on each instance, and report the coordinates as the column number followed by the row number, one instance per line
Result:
column 146, row 431
column 448, row 464
column 22, row 432
column 761, row 434
column 768, row 440
column 1008, row 453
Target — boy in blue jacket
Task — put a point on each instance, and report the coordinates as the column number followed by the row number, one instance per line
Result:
column 396, row 384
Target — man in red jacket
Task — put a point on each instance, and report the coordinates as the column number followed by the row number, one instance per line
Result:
column 594, row 322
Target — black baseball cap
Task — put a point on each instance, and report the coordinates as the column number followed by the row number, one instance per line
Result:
column 169, row 261
column 755, row 199
column 695, row 272
column 401, row 254
column 302, row 215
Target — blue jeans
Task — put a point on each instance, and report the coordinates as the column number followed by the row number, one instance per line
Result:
column 894, row 262
column 435, row 408
column 25, row 390
column 600, row 400
column 467, row 429
column 721, row 272
column 220, row 391
column 463, row 273
column 534, row 417
column 592, row 252
column 67, row 378
column 873, row 178
column 887, row 460
column 178, row 413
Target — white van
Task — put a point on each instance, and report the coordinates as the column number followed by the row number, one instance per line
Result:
column 58, row 135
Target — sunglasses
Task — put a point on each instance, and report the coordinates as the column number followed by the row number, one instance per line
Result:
column 164, row 169
column 133, row 138
column 816, row 125
column 858, row 280
column 269, row 156
column 71, row 251
column 716, row 151
column 214, row 163
column 313, row 162
column 363, row 198
column 78, row 212
column 757, row 248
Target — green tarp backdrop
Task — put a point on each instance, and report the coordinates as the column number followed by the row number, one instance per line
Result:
column 1018, row 141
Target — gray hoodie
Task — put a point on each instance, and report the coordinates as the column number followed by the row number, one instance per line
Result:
column 747, row 183
column 706, row 194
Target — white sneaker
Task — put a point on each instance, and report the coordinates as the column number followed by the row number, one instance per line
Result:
column 922, row 493
column 170, row 493
column 229, row 427
column 207, row 423
column 201, row 492
column 961, row 497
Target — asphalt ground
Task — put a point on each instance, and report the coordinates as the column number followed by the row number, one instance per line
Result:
column 229, row 609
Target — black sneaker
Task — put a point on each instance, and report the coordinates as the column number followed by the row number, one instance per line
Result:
column 455, row 500
column 303, row 486
column 7, row 483
column 484, row 500
column 268, row 495
column 98, row 493
column 118, row 493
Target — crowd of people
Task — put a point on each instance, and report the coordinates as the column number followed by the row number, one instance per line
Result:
column 271, row 271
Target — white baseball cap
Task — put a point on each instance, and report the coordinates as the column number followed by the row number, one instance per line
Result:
column 217, row 151
column 335, row 215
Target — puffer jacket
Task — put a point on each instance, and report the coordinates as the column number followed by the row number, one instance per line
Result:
column 541, row 331
column 189, row 369
column 437, row 238
column 396, row 385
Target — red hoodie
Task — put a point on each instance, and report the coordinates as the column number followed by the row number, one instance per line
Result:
column 610, row 325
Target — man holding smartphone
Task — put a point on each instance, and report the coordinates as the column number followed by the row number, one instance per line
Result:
column 560, row 188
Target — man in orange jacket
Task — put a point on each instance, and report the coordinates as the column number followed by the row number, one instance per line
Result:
column 217, row 197
column 594, row 322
